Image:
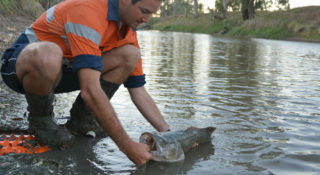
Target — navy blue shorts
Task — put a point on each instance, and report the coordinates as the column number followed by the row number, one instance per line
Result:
column 69, row 81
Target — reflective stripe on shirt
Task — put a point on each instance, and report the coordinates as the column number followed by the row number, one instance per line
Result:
column 30, row 34
column 50, row 14
column 83, row 31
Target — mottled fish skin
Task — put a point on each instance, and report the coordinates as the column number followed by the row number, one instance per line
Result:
column 171, row 146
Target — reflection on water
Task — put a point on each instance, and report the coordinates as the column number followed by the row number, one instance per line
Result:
column 262, row 95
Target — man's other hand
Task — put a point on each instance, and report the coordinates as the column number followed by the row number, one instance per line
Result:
column 138, row 153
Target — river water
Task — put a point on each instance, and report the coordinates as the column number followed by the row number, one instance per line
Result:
column 262, row 95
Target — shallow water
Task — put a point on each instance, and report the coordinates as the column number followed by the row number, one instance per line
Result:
column 262, row 95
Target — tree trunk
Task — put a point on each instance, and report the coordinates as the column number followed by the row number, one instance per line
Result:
column 195, row 8
column 244, row 11
column 225, row 7
column 251, row 9
column 247, row 9
column 175, row 8
column 186, row 9
column 162, row 9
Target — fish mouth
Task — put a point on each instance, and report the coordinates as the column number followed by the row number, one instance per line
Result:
column 148, row 139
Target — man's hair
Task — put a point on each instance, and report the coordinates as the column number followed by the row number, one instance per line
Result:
column 135, row 1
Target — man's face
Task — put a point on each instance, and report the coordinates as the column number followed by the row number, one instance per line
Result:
column 135, row 14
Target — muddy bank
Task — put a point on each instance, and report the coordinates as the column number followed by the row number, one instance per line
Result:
column 71, row 160
column 10, row 28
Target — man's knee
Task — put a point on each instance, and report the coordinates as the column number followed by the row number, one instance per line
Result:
column 126, row 56
column 42, row 57
column 131, row 55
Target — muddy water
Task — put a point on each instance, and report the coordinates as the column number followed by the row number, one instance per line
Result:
column 262, row 95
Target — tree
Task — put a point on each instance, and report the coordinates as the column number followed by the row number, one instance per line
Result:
column 222, row 6
column 195, row 8
column 225, row 7
column 175, row 8
column 247, row 9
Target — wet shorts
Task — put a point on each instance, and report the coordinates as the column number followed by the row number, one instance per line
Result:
column 69, row 81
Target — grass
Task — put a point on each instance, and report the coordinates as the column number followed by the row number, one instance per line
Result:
column 300, row 23
column 22, row 7
column 8, row 6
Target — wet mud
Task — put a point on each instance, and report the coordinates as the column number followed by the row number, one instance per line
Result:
column 10, row 28
column 71, row 160
column 13, row 118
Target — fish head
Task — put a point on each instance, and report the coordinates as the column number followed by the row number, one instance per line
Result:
column 161, row 149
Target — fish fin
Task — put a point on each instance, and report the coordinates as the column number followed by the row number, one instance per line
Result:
column 191, row 127
column 210, row 129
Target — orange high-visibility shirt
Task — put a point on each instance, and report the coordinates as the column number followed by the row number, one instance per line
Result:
column 84, row 29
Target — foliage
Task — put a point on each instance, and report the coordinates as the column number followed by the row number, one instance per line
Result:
column 48, row 3
column 300, row 23
column 247, row 9
column 32, row 7
column 219, row 7
column 8, row 6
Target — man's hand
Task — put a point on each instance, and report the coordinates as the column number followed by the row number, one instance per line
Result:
column 98, row 102
column 138, row 153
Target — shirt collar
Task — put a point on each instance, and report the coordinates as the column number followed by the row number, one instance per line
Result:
column 113, row 11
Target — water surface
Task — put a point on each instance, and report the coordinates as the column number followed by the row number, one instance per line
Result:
column 262, row 95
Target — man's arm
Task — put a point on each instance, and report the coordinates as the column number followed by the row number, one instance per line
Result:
column 148, row 108
column 98, row 102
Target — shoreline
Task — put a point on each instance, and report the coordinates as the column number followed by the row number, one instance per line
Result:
column 298, row 24
column 241, row 37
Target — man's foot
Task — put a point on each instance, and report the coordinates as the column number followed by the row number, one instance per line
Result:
column 79, row 127
column 47, row 132
column 42, row 123
column 81, row 121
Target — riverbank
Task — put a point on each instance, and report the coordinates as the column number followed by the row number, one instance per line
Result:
column 10, row 28
column 302, row 24
column 299, row 24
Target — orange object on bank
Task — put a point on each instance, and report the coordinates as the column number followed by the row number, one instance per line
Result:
column 20, row 144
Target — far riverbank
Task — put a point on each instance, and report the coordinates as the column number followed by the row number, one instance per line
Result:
column 299, row 24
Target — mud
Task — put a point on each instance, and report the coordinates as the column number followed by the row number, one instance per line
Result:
column 26, row 164
column 76, row 159
column 12, row 164
column 10, row 28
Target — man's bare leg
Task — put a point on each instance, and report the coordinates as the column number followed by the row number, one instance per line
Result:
column 38, row 67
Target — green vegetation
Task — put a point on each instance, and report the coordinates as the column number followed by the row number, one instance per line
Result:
column 29, row 7
column 7, row 6
column 299, row 24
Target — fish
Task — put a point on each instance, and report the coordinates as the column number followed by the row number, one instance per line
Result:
column 171, row 146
